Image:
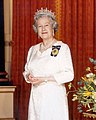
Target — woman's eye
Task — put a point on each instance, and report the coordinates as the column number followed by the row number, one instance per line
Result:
column 39, row 26
column 46, row 25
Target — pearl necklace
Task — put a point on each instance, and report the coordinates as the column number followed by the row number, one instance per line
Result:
column 43, row 48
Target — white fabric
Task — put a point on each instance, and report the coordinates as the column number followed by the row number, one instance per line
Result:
column 48, row 101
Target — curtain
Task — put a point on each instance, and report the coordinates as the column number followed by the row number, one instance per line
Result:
column 77, row 28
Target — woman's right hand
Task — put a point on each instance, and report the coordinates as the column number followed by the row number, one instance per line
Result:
column 30, row 78
column 34, row 80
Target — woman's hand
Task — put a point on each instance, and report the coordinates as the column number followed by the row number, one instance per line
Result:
column 35, row 80
column 38, row 80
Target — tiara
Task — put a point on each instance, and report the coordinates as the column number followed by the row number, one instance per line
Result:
column 44, row 12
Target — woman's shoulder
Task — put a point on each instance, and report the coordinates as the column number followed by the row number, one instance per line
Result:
column 62, row 44
column 64, row 49
column 34, row 47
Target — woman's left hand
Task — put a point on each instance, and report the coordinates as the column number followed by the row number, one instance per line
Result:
column 39, row 80
column 36, row 80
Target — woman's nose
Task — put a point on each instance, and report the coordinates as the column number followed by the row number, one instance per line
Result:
column 43, row 28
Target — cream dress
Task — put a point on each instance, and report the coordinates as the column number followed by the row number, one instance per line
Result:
column 48, row 101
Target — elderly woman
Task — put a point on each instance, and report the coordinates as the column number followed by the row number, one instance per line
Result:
column 48, row 67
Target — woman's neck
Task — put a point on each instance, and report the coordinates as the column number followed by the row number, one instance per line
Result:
column 47, row 44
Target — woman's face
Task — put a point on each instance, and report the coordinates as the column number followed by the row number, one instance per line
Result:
column 44, row 27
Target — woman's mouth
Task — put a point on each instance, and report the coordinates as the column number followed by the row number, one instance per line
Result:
column 44, row 33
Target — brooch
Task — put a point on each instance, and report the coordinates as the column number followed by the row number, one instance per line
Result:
column 55, row 50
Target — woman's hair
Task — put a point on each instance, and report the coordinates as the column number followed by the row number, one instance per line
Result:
column 49, row 14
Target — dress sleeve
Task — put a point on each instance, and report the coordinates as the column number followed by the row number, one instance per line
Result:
column 66, row 72
column 26, row 71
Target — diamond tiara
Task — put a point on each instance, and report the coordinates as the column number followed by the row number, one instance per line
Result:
column 45, row 12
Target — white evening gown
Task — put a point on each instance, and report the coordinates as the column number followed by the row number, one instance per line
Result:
column 48, row 101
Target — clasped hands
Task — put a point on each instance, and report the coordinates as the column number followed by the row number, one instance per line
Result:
column 38, row 80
